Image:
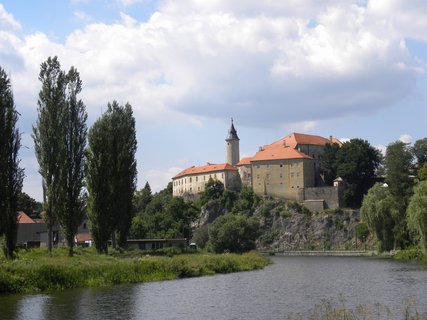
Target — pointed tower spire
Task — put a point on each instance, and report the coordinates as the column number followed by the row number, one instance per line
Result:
column 232, row 146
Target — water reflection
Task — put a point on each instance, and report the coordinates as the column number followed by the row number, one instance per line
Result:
column 291, row 285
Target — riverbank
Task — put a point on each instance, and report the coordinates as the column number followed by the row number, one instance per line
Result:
column 36, row 271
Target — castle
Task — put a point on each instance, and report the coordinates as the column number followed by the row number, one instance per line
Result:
column 289, row 168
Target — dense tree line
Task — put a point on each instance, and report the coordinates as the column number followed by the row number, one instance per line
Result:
column 356, row 163
column 11, row 175
column 396, row 211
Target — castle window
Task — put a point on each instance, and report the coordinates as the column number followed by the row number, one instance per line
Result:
column 190, row 179
column 281, row 165
column 257, row 176
column 191, row 189
column 197, row 179
column 204, row 178
column 215, row 175
column 281, row 175
column 292, row 174
column 268, row 176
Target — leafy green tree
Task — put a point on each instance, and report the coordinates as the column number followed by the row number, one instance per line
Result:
column 419, row 151
column 398, row 165
column 357, row 163
column 229, row 198
column 233, row 233
column 48, row 137
column 98, row 180
column 246, row 202
column 329, row 163
column 142, row 198
column 201, row 236
column 72, row 197
column 11, row 175
column 422, row 172
column 123, row 149
column 417, row 213
column 111, row 175
column 28, row 204
column 378, row 209
column 214, row 189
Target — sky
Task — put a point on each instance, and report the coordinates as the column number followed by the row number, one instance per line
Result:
column 346, row 68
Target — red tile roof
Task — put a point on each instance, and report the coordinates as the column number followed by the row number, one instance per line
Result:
column 24, row 218
column 244, row 161
column 278, row 153
column 295, row 139
column 210, row 167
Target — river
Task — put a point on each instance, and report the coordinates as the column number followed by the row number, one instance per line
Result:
column 292, row 285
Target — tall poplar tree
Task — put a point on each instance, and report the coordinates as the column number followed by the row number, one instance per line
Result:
column 398, row 165
column 60, row 140
column 48, row 138
column 11, row 175
column 111, row 175
column 74, row 133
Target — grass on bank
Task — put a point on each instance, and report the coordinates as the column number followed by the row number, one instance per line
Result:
column 37, row 271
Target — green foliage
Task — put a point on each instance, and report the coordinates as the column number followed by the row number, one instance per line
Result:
column 411, row 254
column 357, row 163
column 48, row 136
column 377, row 211
column 201, row 236
column 214, row 189
column 362, row 231
column 142, row 198
column 233, row 233
column 28, row 204
column 398, row 164
column 330, row 163
column 35, row 272
column 247, row 201
column 111, row 174
column 164, row 217
column 11, row 175
column 298, row 208
column 417, row 213
column 419, row 151
column 422, row 172
column 74, row 132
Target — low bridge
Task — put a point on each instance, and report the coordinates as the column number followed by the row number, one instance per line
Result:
column 339, row 253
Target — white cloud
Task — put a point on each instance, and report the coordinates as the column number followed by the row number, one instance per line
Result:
column 128, row 2
column 83, row 16
column 158, row 179
column 382, row 148
column 267, row 63
column 405, row 138
column 7, row 21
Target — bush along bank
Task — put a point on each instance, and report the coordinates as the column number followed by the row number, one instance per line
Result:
column 38, row 272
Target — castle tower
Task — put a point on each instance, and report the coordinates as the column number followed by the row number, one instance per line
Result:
column 232, row 146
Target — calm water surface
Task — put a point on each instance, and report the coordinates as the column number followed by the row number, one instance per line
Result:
column 290, row 285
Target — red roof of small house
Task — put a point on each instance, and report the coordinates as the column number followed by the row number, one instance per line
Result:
column 244, row 161
column 24, row 218
column 82, row 237
column 210, row 167
column 278, row 153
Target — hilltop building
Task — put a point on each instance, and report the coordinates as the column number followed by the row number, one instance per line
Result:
column 289, row 168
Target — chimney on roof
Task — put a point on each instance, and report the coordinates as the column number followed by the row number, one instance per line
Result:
column 260, row 149
column 330, row 138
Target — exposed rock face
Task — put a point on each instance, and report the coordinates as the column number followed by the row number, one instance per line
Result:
column 212, row 210
column 323, row 231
